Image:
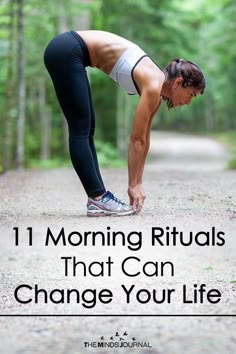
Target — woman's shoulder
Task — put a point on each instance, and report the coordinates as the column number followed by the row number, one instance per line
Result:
column 148, row 74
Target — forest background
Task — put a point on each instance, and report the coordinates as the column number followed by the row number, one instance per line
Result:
column 33, row 131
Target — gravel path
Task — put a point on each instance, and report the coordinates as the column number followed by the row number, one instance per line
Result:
column 189, row 191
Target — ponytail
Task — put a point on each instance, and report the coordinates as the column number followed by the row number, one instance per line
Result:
column 190, row 72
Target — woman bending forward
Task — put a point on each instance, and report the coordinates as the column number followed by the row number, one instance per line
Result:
column 66, row 58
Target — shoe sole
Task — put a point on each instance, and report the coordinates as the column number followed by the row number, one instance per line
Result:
column 108, row 213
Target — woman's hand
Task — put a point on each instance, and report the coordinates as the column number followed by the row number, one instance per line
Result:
column 136, row 197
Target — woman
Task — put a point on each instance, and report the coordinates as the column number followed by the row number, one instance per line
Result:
column 66, row 58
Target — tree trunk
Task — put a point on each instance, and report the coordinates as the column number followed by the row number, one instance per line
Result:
column 82, row 21
column 20, row 85
column 62, row 27
column 45, row 122
column 123, row 121
column 10, row 89
column 124, row 116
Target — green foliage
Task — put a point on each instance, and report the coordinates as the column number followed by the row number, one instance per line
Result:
column 108, row 155
column 47, row 164
column 105, row 106
column 232, row 163
column 229, row 140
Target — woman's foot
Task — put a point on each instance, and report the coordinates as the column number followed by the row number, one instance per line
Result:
column 108, row 205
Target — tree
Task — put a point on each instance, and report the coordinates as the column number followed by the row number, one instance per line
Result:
column 20, row 84
column 29, row 110
column 9, row 90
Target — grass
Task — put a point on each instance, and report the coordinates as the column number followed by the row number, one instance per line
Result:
column 209, row 268
column 229, row 140
column 47, row 164
column 106, row 153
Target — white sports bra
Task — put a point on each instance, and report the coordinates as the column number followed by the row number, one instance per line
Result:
column 122, row 71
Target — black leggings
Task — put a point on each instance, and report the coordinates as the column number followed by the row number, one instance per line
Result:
column 65, row 58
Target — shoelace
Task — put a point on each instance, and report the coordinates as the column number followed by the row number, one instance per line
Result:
column 116, row 200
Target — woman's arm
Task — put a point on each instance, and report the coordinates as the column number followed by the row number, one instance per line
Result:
column 140, row 140
column 140, row 172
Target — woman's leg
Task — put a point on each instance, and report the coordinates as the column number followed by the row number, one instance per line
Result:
column 73, row 92
column 76, row 106
column 91, row 135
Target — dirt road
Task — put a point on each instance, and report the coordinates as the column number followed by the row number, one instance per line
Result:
column 191, row 197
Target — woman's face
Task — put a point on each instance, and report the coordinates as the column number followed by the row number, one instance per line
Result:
column 182, row 95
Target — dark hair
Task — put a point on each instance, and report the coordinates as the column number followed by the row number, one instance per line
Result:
column 189, row 71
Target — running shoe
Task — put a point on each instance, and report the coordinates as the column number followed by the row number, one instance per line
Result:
column 108, row 205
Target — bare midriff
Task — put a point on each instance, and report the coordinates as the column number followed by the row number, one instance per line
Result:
column 104, row 48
